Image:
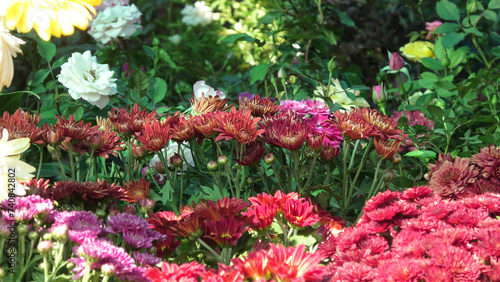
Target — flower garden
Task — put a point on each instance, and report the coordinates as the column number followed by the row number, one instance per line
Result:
column 155, row 140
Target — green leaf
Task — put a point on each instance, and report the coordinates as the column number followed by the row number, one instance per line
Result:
column 345, row 19
column 46, row 49
column 447, row 10
column 149, row 51
column 157, row 90
column 258, row 72
column 496, row 51
column 40, row 76
column 439, row 50
column 48, row 169
column 59, row 62
column 237, row 37
column 166, row 57
column 458, row 56
column 431, row 63
column 490, row 15
column 10, row 102
column 452, row 39
column 139, row 83
column 473, row 30
column 446, row 28
column 494, row 4
column 436, row 112
column 444, row 93
column 421, row 154
column 302, row 240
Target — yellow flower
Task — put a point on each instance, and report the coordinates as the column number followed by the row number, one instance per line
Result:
column 417, row 50
column 13, row 170
column 48, row 17
column 9, row 47
column 338, row 95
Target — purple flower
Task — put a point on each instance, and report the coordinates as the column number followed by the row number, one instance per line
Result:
column 144, row 259
column 247, row 95
column 137, row 239
column 124, row 221
column 82, row 225
column 103, row 252
column 396, row 62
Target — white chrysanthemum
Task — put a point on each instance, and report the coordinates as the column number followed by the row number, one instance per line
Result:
column 114, row 22
column 110, row 3
column 175, row 39
column 200, row 88
column 199, row 14
column 13, row 168
column 9, row 47
column 338, row 95
column 88, row 80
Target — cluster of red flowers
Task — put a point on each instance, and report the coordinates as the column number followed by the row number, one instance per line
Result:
column 462, row 177
column 22, row 125
column 367, row 123
column 415, row 235
column 273, row 263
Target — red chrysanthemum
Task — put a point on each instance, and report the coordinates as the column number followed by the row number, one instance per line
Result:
column 22, row 125
column 162, row 221
column 290, row 264
column 90, row 192
column 353, row 126
column 387, row 128
column 262, row 215
column 154, row 137
column 188, row 272
column 239, row 125
column 285, row 130
column 181, row 129
column 205, row 124
column 259, row 107
column 166, row 247
column 386, row 148
column 300, row 213
column 208, row 104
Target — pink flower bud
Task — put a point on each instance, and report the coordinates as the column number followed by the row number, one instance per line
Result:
column 396, row 62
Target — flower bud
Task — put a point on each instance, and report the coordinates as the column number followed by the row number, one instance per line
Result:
column 47, row 236
column 332, row 66
column 310, row 154
column 269, row 158
column 45, row 247
column 108, row 269
column 33, row 235
column 22, row 229
column 396, row 159
column 249, row 181
column 379, row 95
column 60, row 232
column 100, row 213
column 396, row 62
column 2, row 272
column 212, row 165
column 292, row 79
column 222, row 160
column 176, row 160
column 130, row 209
column 472, row 6
column 41, row 266
column 70, row 266
column 441, row 103
column 329, row 153
column 388, row 176
column 445, row 62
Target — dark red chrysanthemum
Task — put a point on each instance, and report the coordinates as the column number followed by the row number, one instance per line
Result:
column 208, row 104
column 173, row 272
column 386, row 148
column 300, row 213
column 488, row 161
column 285, row 130
column 225, row 231
column 259, row 107
column 137, row 189
column 72, row 130
column 205, row 124
column 387, row 128
column 433, row 167
column 90, row 192
column 102, row 143
column 452, row 178
column 129, row 123
column 252, row 153
column 162, row 221
column 22, row 125
column 181, row 129
column 353, row 126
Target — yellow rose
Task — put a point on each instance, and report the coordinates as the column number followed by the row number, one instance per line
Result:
column 417, row 50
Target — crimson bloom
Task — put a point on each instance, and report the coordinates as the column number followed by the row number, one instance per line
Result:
column 386, row 148
column 285, row 130
column 251, row 154
column 239, row 125
column 137, row 189
column 225, row 232
column 129, row 123
column 155, row 136
column 299, row 213
column 259, row 107
column 22, row 125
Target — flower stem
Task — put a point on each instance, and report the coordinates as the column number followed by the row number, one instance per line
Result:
column 402, row 87
column 345, row 175
column 129, row 159
column 71, row 161
column 45, row 268
column 311, row 168
column 39, row 166
column 358, row 172
column 375, row 178
column 263, row 178
column 212, row 251
column 86, row 275
column 295, row 155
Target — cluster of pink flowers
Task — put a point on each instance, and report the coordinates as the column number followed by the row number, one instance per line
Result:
column 416, row 235
column 462, row 177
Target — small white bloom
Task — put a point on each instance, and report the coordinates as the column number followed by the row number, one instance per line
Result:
column 88, row 80
column 199, row 14
column 114, row 22
column 338, row 95
column 175, row 39
column 200, row 88
column 110, row 3
column 9, row 47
